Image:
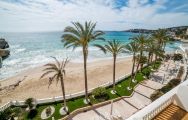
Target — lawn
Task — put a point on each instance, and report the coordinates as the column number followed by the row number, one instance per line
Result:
column 75, row 103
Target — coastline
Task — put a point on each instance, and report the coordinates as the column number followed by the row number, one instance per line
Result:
column 99, row 72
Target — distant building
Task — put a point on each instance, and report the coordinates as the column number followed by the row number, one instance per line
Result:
column 187, row 32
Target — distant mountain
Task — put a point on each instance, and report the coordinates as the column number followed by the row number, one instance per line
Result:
column 171, row 29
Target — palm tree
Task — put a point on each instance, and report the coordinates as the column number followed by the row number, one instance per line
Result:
column 80, row 36
column 113, row 47
column 58, row 73
column 161, row 37
column 30, row 103
column 141, row 60
column 151, row 48
column 141, row 40
column 132, row 47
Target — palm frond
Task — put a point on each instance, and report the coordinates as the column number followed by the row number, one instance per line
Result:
column 51, row 65
column 80, row 35
column 102, row 48
column 57, row 62
column 46, row 73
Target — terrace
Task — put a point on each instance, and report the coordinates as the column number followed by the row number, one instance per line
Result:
column 171, row 106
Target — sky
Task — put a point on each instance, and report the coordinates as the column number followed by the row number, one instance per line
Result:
column 55, row 15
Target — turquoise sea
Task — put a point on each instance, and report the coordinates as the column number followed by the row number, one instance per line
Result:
column 33, row 49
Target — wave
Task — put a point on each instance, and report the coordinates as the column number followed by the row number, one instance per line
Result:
column 14, row 46
column 19, row 50
column 79, row 49
column 11, row 62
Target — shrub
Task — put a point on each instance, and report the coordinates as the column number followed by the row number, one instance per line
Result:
column 6, row 114
column 100, row 93
column 48, row 111
column 180, row 72
column 174, row 82
column 166, row 88
column 167, row 57
column 177, row 57
column 156, row 95
column 32, row 113
column 157, row 64
column 17, row 111
column 29, row 102
column 146, row 72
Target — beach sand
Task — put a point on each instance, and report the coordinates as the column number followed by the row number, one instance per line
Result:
column 99, row 72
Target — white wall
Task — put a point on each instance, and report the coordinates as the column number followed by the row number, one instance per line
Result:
column 181, row 98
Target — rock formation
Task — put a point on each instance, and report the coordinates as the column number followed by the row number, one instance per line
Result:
column 4, row 53
column 3, row 44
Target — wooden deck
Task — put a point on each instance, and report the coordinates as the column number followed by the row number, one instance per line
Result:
column 172, row 112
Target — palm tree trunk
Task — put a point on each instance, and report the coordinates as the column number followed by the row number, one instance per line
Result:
column 151, row 59
column 136, row 70
column 114, row 72
column 156, row 57
column 63, row 91
column 130, row 84
column 140, row 59
column 164, row 46
column 85, row 73
column 149, row 55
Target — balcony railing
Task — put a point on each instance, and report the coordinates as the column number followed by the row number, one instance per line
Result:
column 156, row 111
column 153, row 109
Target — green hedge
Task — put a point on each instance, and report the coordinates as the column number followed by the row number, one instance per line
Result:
column 158, row 93
column 100, row 93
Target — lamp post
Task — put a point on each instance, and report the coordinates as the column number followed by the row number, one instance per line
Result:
column 1, row 62
column 111, row 110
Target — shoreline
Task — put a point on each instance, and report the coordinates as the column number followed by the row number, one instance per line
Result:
column 72, row 61
column 99, row 72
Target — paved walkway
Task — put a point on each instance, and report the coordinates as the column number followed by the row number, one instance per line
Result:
column 167, row 71
column 152, row 84
column 123, row 108
column 145, row 91
column 138, row 100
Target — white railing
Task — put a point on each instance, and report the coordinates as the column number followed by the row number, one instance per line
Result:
column 5, row 106
column 157, row 106
column 60, row 98
column 156, row 111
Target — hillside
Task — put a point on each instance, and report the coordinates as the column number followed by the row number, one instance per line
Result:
column 171, row 29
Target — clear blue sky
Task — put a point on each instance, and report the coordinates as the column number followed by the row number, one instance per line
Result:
column 50, row 15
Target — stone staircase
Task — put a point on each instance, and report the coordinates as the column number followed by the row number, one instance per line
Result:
column 172, row 112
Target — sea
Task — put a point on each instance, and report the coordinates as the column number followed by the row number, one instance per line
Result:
column 28, row 50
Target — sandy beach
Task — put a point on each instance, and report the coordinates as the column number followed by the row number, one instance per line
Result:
column 99, row 72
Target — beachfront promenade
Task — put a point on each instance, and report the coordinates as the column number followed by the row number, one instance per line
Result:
column 140, row 98
column 125, row 107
